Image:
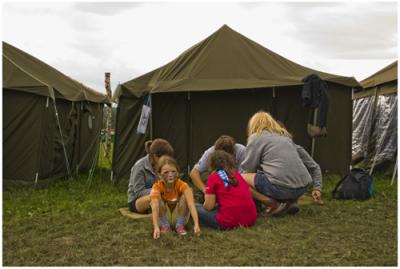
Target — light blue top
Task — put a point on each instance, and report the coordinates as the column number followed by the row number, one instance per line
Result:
column 240, row 152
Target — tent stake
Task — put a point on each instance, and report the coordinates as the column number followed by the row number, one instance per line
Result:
column 394, row 171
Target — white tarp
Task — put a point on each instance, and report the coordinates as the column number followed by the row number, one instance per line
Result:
column 375, row 129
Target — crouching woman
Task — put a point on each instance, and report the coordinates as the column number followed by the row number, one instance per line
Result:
column 227, row 188
column 171, row 200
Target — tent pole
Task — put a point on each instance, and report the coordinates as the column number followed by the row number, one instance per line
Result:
column 313, row 138
column 151, row 117
column 95, row 160
column 394, row 171
column 189, row 130
column 62, row 140
column 379, row 144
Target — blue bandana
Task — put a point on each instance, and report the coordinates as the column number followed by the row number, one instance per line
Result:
column 224, row 177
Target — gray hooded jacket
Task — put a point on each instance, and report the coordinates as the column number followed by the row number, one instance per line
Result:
column 141, row 180
column 277, row 157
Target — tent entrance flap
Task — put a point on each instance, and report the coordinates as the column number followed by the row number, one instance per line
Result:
column 170, row 122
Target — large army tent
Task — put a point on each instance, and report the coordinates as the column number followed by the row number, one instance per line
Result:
column 375, row 120
column 51, row 123
column 213, row 88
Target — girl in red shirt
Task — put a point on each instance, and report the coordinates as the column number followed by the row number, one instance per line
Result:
column 227, row 188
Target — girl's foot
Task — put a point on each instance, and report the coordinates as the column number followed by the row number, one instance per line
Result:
column 165, row 229
column 180, row 229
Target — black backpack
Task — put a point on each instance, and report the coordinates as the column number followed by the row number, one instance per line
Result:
column 357, row 185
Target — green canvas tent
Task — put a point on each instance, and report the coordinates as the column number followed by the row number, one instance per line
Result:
column 51, row 123
column 375, row 120
column 213, row 88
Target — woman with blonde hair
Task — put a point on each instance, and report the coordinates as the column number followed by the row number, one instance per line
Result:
column 272, row 167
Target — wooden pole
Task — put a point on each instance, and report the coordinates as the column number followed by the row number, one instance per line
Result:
column 109, row 117
column 313, row 138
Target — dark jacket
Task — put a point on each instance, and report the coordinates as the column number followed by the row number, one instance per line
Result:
column 315, row 95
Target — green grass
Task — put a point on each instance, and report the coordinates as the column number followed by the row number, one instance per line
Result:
column 77, row 223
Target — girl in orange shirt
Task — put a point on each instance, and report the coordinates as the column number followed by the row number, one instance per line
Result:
column 171, row 198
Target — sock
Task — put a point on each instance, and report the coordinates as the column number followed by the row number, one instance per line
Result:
column 180, row 220
column 164, row 221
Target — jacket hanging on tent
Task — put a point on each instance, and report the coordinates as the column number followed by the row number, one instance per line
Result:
column 314, row 95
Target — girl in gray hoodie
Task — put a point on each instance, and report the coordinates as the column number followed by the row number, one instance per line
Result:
column 143, row 175
column 273, row 168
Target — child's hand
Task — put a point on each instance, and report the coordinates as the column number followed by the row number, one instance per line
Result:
column 156, row 233
column 196, row 230
column 316, row 195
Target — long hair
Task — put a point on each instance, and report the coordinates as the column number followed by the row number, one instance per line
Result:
column 225, row 143
column 164, row 160
column 221, row 160
column 263, row 121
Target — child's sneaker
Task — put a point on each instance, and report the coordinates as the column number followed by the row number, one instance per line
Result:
column 165, row 229
column 180, row 229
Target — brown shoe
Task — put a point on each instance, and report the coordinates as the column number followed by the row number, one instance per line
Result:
column 274, row 209
column 292, row 208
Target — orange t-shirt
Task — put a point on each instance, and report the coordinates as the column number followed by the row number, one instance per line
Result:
column 159, row 190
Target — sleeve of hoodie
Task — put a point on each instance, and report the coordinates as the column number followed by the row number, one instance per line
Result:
column 137, row 184
column 312, row 167
column 252, row 156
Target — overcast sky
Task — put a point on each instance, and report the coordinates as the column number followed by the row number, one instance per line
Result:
column 86, row 39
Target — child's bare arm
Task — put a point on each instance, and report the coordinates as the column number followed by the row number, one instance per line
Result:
column 190, row 202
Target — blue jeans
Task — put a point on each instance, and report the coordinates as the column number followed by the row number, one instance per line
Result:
column 264, row 186
column 207, row 218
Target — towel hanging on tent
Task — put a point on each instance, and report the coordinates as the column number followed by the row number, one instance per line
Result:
column 144, row 116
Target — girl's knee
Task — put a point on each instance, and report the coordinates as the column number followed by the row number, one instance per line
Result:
column 182, row 199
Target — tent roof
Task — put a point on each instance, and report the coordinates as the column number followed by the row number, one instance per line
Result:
column 23, row 72
column 383, row 82
column 387, row 74
column 225, row 60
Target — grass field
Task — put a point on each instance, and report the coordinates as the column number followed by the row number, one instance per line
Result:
column 77, row 223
